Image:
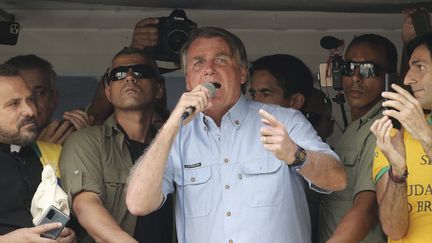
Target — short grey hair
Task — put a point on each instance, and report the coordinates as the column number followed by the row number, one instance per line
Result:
column 31, row 61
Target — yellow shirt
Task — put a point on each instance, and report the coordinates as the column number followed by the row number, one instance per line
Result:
column 419, row 189
column 49, row 153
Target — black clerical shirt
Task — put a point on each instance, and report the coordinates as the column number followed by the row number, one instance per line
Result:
column 20, row 175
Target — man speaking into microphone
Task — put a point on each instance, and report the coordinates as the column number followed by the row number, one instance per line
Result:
column 235, row 165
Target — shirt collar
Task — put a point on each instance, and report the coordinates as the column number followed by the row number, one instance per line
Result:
column 376, row 110
column 236, row 115
column 111, row 126
column 7, row 148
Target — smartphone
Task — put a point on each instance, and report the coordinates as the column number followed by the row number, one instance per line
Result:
column 391, row 78
column 53, row 215
column 9, row 32
column 421, row 22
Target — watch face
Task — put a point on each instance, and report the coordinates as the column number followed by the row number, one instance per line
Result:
column 300, row 157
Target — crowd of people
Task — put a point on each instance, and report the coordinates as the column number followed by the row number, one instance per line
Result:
column 236, row 169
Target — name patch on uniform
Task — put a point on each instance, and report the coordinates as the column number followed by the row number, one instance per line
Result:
column 192, row 166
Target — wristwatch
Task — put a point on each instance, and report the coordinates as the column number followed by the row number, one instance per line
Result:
column 299, row 158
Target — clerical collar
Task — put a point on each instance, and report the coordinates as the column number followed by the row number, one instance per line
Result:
column 10, row 148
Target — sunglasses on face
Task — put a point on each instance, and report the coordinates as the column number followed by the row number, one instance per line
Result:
column 366, row 69
column 139, row 71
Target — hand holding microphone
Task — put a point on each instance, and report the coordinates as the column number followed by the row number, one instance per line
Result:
column 211, row 87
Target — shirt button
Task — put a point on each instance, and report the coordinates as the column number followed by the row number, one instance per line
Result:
column 230, row 241
column 76, row 172
column 237, row 122
column 228, row 213
column 193, row 179
column 240, row 176
column 226, row 160
column 227, row 187
column 205, row 128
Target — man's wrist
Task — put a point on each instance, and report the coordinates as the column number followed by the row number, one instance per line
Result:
column 398, row 176
column 299, row 158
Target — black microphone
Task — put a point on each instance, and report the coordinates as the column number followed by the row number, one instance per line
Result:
column 212, row 88
column 330, row 42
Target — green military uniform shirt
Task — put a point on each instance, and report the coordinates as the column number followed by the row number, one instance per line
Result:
column 356, row 151
column 96, row 159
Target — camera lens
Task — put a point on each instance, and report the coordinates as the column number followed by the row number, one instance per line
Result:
column 50, row 214
column 176, row 39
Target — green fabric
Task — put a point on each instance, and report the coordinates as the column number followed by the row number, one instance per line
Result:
column 96, row 159
column 382, row 172
column 356, row 151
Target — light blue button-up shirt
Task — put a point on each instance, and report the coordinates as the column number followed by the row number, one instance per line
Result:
column 235, row 190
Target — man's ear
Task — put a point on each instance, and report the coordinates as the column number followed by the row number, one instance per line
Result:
column 160, row 92
column 107, row 90
column 243, row 75
column 297, row 101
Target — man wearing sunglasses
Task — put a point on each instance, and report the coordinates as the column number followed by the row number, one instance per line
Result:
column 96, row 161
column 351, row 215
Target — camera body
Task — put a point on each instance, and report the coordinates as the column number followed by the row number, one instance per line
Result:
column 173, row 33
column 9, row 32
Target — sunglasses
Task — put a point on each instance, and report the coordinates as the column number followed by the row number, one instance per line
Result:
column 139, row 71
column 366, row 69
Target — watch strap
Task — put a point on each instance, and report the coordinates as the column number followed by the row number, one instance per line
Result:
column 299, row 158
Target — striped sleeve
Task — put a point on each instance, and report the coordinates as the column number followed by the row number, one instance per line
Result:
column 380, row 165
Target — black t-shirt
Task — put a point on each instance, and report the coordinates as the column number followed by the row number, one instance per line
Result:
column 156, row 227
column 20, row 175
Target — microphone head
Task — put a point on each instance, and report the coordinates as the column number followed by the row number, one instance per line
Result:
column 330, row 42
column 211, row 87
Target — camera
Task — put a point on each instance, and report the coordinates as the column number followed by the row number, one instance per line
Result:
column 174, row 31
column 9, row 32
column 330, row 72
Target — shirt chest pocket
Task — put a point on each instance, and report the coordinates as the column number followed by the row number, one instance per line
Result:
column 262, row 181
column 115, row 184
column 197, row 187
column 350, row 162
column 348, row 158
